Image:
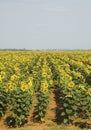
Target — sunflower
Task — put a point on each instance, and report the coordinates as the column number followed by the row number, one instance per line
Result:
column 45, row 85
column 0, row 80
column 44, row 74
column 51, row 82
column 71, row 84
column 48, row 76
column 24, row 87
column 82, row 87
column 69, row 95
column 11, row 87
column 30, row 84
column 89, row 91
column 45, row 90
column 34, row 73
column 30, row 78
column 13, row 77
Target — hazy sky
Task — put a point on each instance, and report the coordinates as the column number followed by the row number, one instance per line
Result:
column 45, row 24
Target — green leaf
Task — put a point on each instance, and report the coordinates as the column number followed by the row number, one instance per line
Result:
column 27, row 102
column 74, row 107
column 65, row 121
column 19, row 100
column 63, row 114
column 68, row 111
column 42, row 119
column 36, row 116
column 19, row 110
column 65, row 104
column 71, row 117
column 40, row 114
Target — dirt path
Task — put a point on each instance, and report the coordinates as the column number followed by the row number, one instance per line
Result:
column 51, row 113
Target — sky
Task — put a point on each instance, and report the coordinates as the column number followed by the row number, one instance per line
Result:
column 45, row 24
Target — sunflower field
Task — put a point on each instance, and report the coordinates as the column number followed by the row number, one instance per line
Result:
column 25, row 74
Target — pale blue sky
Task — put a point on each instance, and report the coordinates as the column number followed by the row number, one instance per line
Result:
column 45, row 24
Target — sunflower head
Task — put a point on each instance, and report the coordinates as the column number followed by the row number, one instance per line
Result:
column 24, row 87
column 71, row 84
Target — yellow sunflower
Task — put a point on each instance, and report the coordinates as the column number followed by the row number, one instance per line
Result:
column 30, row 84
column 89, row 91
column 24, row 87
column 71, row 84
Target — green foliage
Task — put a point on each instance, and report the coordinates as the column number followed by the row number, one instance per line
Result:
column 74, row 102
column 20, row 104
column 3, row 102
column 41, row 106
column 22, row 74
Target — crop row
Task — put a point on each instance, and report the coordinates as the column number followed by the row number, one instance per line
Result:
column 24, row 75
